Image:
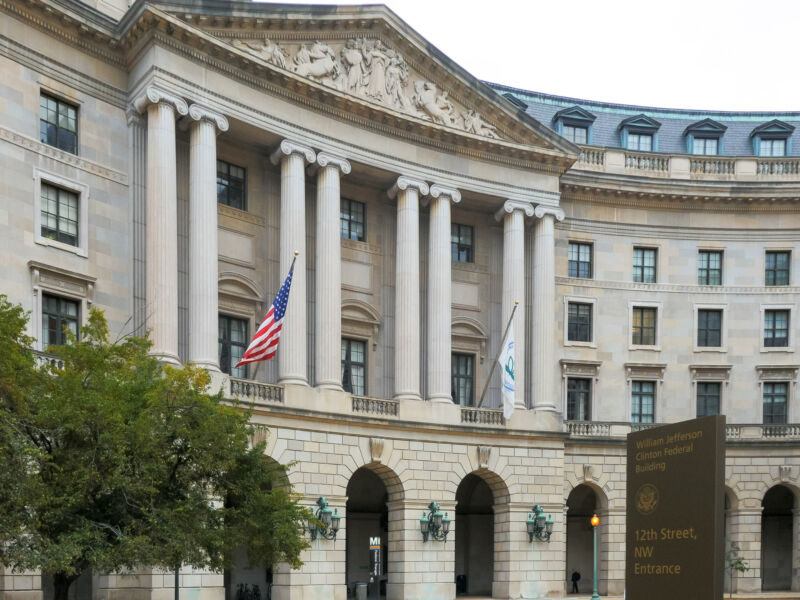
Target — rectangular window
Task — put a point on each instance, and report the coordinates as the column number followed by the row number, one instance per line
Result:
column 776, row 396
column 580, row 260
column 463, row 379
column 233, row 341
column 352, row 219
column 462, row 246
column 772, row 148
column 709, row 394
column 776, row 328
column 59, row 214
column 354, row 367
column 707, row 146
column 231, row 185
column 576, row 135
column 640, row 141
column 58, row 124
column 58, row 316
column 579, row 322
column 709, row 328
column 777, row 268
column 644, row 326
column 644, row 265
column 643, row 401
column 709, row 267
column 579, row 399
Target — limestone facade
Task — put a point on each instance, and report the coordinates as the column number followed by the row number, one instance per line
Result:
column 349, row 103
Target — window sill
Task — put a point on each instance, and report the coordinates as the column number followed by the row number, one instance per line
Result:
column 650, row 348
column 43, row 241
column 580, row 344
column 778, row 349
column 717, row 349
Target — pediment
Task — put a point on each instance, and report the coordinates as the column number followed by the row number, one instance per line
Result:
column 640, row 122
column 366, row 61
column 774, row 127
column 706, row 126
column 574, row 114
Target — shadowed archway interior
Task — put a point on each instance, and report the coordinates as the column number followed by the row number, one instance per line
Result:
column 777, row 529
column 367, row 517
column 582, row 503
column 474, row 537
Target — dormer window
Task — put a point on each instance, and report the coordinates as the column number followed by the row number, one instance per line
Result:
column 772, row 139
column 639, row 133
column 575, row 124
column 704, row 137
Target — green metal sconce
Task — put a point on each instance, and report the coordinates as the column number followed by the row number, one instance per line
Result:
column 329, row 519
column 538, row 527
column 433, row 524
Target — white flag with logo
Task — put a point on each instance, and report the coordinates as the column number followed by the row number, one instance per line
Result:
column 506, row 363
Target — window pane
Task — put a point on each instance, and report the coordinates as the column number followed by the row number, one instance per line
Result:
column 352, row 220
column 231, row 185
column 233, row 342
column 579, row 262
column 463, row 379
column 58, row 124
column 461, row 243
column 578, row 399
column 354, row 367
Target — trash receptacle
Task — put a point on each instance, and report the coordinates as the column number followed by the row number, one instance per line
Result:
column 461, row 584
column 361, row 591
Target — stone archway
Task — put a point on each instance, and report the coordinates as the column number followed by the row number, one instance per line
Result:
column 371, row 490
column 777, row 538
column 481, row 516
column 584, row 501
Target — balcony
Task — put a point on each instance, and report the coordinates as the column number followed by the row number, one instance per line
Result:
column 733, row 432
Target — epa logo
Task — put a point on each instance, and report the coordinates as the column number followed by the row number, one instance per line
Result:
column 646, row 499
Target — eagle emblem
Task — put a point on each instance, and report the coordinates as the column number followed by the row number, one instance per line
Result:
column 646, row 499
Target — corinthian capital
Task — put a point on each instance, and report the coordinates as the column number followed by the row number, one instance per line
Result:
column 157, row 95
column 404, row 183
column 326, row 159
column 200, row 113
column 289, row 147
column 509, row 206
column 446, row 192
column 554, row 211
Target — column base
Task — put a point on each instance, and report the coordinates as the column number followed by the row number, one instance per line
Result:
column 330, row 385
column 544, row 408
column 293, row 380
column 167, row 358
column 406, row 396
column 208, row 365
column 444, row 399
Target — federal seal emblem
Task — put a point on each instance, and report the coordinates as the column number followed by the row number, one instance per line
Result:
column 646, row 499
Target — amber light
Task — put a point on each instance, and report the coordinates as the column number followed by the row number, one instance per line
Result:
column 595, row 521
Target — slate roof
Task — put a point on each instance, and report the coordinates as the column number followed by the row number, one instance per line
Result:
column 737, row 139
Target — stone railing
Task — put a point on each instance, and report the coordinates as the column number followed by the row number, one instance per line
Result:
column 778, row 167
column 651, row 163
column 253, row 391
column 375, row 406
column 734, row 432
column 482, row 416
column 592, row 157
column 43, row 358
column 712, row 165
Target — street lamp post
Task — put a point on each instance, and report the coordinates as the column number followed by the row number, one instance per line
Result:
column 595, row 522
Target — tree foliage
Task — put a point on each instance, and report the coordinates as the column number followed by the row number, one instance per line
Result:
column 111, row 461
column 734, row 562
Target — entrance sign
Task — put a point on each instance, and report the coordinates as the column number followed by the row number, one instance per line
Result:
column 675, row 503
column 375, row 563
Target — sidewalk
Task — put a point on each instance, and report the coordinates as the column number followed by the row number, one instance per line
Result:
column 752, row 596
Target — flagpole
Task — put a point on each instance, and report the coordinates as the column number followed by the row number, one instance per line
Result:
column 499, row 350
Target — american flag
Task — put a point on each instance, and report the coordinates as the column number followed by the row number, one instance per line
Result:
column 265, row 342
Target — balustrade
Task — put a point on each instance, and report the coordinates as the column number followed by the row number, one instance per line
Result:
column 652, row 163
column 253, row 391
column 375, row 406
column 712, row 165
column 778, row 166
column 482, row 416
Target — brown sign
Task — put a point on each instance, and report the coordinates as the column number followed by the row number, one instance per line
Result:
column 674, row 538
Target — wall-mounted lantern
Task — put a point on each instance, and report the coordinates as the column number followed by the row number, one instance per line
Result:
column 538, row 526
column 329, row 519
column 434, row 524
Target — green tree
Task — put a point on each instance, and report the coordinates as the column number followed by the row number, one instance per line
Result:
column 734, row 562
column 112, row 461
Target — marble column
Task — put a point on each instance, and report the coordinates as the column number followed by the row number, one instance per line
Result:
column 513, row 215
column 203, row 253
column 544, row 311
column 407, row 191
column 162, row 217
column 439, row 387
column 292, row 357
column 328, row 304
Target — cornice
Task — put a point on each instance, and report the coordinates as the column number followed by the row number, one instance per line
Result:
column 675, row 288
column 66, row 158
column 677, row 232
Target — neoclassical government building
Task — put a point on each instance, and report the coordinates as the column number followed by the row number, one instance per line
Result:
column 164, row 161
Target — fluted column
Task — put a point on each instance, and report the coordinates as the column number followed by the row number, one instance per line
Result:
column 162, row 217
column 406, row 318
column 292, row 358
column 328, row 304
column 203, row 253
column 439, row 388
column 544, row 315
column 513, row 214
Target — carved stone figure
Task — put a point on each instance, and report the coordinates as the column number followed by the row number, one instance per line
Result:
column 353, row 64
column 318, row 63
column 375, row 58
column 474, row 123
column 396, row 81
column 435, row 107
column 269, row 51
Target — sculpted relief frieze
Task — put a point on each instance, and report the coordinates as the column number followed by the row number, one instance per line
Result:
column 369, row 69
